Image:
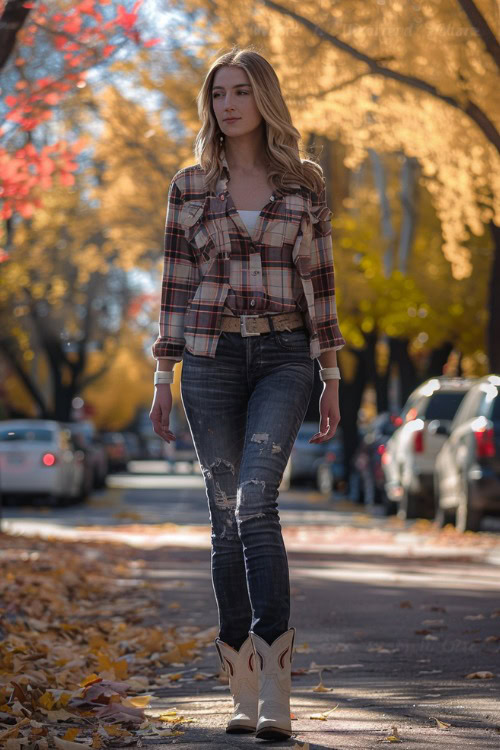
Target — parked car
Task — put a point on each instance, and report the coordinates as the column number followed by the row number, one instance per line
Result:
column 467, row 470
column 367, row 459
column 116, row 449
column 314, row 462
column 96, row 458
column 408, row 461
column 39, row 459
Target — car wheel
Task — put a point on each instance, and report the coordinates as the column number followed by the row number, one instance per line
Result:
column 410, row 505
column 468, row 519
column 324, row 480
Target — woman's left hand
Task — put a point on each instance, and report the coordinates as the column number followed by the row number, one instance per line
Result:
column 329, row 412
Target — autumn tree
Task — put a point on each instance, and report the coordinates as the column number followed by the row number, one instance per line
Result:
column 47, row 52
column 71, row 281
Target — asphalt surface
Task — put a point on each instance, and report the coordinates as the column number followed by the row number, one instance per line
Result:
column 391, row 618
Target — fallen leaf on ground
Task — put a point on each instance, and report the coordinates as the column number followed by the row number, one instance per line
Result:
column 394, row 737
column 323, row 716
column 479, row 676
column 320, row 688
column 302, row 649
column 441, row 724
column 305, row 746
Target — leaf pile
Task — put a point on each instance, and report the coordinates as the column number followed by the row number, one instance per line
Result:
column 82, row 640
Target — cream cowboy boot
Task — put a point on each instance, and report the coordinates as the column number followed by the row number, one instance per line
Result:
column 274, row 666
column 241, row 670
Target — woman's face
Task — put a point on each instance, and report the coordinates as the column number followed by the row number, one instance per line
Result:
column 234, row 103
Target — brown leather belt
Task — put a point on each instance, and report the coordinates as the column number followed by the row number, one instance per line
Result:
column 254, row 325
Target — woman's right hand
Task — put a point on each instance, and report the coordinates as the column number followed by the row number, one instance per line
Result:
column 160, row 412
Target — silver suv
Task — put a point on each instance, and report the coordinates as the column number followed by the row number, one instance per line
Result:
column 408, row 461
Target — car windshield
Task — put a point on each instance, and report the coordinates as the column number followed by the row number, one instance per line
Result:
column 443, row 404
column 31, row 434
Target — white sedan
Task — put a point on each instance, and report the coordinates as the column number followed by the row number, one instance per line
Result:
column 38, row 458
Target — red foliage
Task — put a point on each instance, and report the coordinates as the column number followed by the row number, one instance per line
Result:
column 84, row 40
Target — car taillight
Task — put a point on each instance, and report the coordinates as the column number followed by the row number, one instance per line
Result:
column 418, row 444
column 48, row 459
column 485, row 443
column 381, row 449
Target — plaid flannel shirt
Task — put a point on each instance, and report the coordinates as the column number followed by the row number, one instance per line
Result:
column 212, row 267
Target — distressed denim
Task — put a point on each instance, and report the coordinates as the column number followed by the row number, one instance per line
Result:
column 244, row 408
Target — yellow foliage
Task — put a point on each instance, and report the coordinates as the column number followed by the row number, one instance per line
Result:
column 126, row 386
column 332, row 93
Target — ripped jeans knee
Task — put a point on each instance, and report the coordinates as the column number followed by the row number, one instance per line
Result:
column 253, row 502
column 221, row 483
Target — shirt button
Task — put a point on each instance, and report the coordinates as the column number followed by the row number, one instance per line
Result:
column 252, row 303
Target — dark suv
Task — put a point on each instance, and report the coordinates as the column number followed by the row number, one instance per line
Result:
column 467, row 469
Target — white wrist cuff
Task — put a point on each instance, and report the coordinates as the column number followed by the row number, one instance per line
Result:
column 163, row 377
column 329, row 373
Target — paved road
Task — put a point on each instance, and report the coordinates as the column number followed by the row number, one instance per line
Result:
column 394, row 616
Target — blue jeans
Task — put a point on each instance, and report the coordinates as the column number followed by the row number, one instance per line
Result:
column 244, row 408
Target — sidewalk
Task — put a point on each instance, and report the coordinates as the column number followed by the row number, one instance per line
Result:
column 384, row 647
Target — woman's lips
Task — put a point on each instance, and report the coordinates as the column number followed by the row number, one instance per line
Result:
column 232, row 119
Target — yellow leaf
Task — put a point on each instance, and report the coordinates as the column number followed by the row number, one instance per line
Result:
column 175, row 677
column 325, row 715
column 139, row 701
column 305, row 746
column 89, row 680
column 71, row 733
column 111, row 729
column 441, row 724
column 303, row 649
column 120, row 669
column 394, row 737
column 47, row 700
column 321, row 688
column 479, row 676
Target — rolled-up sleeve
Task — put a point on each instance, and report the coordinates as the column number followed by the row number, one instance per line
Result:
column 323, row 275
column 180, row 281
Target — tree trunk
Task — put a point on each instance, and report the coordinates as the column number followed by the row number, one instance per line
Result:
column 438, row 359
column 493, row 330
column 12, row 20
column 407, row 371
column 350, row 397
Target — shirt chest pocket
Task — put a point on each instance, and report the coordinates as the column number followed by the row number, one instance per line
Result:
column 284, row 228
column 206, row 236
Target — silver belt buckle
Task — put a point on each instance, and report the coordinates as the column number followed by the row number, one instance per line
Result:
column 243, row 325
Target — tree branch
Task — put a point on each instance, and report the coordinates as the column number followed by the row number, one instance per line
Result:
column 12, row 20
column 479, row 117
column 480, row 24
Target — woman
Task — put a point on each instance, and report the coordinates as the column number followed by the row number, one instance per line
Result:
column 248, row 304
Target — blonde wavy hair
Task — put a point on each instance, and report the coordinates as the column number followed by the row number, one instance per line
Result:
column 282, row 139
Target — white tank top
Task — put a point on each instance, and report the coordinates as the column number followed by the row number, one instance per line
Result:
column 249, row 219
